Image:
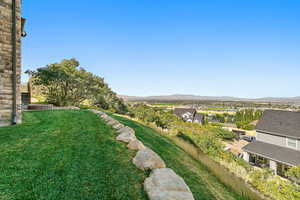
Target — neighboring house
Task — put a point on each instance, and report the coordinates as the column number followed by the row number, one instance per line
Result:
column 11, row 31
column 186, row 114
column 277, row 144
column 189, row 115
column 199, row 118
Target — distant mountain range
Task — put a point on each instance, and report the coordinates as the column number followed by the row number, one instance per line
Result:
column 182, row 97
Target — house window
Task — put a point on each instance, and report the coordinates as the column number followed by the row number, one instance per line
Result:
column 292, row 143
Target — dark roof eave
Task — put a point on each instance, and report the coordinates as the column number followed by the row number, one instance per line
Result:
column 283, row 162
column 274, row 152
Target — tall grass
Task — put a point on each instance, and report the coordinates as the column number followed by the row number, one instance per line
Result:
column 225, row 176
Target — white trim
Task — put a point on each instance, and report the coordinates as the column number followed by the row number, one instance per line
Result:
column 288, row 138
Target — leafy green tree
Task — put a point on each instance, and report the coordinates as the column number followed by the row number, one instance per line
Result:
column 62, row 83
column 66, row 84
column 243, row 118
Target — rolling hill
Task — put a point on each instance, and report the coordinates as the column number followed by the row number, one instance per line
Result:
column 184, row 97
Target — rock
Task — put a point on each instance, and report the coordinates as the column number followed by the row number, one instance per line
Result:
column 125, row 129
column 126, row 136
column 136, row 145
column 103, row 115
column 96, row 111
column 165, row 184
column 71, row 108
column 112, row 122
column 118, row 126
column 106, row 117
column 148, row 159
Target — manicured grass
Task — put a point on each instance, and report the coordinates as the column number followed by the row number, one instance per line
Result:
column 203, row 184
column 66, row 155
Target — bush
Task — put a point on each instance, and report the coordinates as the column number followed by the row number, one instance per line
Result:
column 209, row 144
column 223, row 134
column 248, row 127
column 147, row 114
column 276, row 187
column 294, row 174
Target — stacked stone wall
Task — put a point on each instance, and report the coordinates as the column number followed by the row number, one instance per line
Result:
column 6, row 57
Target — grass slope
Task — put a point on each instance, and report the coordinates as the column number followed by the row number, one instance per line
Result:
column 203, row 184
column 66, row 155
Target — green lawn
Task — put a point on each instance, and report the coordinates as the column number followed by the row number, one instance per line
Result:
column 203, row 184
column 66, row 155
column 70, row 155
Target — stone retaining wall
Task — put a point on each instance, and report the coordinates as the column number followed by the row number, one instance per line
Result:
column 50, row 107
column 163, row 183
column 6, row 49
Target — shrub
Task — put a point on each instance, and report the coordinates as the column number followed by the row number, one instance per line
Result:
column 274, row 186
column 294, row 174
column 223, row 134
column 208, row 144
column 248, row 127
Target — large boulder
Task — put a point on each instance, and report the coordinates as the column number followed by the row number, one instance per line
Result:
column 112, row 122
column 126, row 129
column 106, row 117
column 126, row 135
column 98, row 112
column 165, row 184
column 148, row 159
column 136, row 145
column 118, row 126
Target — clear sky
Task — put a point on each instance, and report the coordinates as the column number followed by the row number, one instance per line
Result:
column 248, row 48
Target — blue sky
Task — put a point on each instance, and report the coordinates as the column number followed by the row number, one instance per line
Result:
column 247, row 48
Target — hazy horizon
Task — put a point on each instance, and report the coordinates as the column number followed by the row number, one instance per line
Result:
column 209, row 96
column 245, row 49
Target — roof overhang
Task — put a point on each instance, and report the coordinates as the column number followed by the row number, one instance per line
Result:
column 276, row 153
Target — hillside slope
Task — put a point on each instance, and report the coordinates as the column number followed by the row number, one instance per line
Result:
column 203, row 184
column 74, row 155
column 66, row 155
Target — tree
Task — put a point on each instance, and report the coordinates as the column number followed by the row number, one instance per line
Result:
column 65, row 84
column 62, row 83
column 243, row 118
